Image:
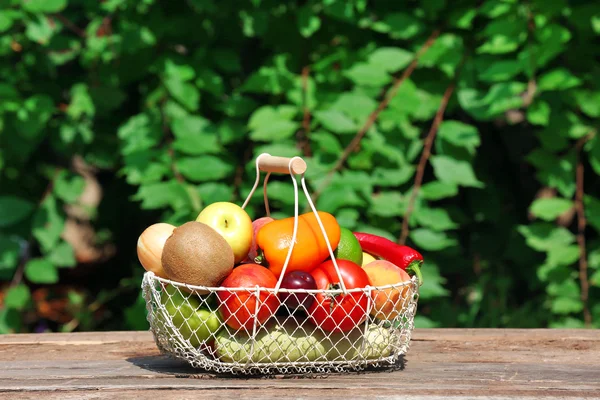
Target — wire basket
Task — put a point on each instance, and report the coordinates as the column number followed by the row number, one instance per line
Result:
column 277, row 330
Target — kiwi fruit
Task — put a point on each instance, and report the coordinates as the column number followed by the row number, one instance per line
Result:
column 198, row 255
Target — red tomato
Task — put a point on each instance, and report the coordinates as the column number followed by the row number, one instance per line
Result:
column 341, row 312
column 238, row 308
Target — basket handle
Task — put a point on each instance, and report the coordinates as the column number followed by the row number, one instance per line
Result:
column 292, row 166
column 281, row 165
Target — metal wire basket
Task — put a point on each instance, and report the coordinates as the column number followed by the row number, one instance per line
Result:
column 265, row 335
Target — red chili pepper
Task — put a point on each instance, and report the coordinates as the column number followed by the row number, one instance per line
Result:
column 404, row 257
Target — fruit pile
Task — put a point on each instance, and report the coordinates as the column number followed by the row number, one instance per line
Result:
column 241, row 297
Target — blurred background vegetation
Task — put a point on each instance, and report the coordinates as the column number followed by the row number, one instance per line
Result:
column 472, row 122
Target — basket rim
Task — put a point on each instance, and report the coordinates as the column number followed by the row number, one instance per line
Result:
column 369, row 288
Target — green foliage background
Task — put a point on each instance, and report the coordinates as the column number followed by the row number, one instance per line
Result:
column 160, row 108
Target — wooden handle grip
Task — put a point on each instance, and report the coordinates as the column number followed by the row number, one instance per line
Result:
column 281, row 165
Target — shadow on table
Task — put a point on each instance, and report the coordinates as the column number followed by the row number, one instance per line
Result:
column 181, row 369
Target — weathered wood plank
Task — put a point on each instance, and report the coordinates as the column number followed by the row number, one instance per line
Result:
column 441, row 362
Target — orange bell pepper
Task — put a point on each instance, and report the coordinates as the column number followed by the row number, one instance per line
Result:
column 273, row 241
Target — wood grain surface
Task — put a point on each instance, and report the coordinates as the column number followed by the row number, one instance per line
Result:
column 441, row 363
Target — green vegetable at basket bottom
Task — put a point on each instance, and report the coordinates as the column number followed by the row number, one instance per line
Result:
column 287, row 342
column 189, row 315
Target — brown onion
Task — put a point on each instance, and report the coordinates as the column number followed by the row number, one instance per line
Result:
column 150, row 247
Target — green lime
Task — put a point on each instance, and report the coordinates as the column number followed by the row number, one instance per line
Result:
column 349, row 247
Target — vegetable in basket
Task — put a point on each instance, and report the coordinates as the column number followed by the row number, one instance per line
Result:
column 277, row 341
column 189, row 315
column 339, row 312
column 274, row 239
column 291, row 341
column 404, row 257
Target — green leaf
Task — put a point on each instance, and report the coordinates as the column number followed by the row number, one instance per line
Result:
column 41, row 270
column 195, row 135
column 451, row 171
column 357, row 105
column 564, row 255
column 402, row 25
column 35, row 114
column 368, row 74
column 589, row 102
column 500, row 70
column 437, row 190
column 39, row 30
column 146, row 166
column 595, row 20
column 555, row 172
column 44, row 6
column 6, row 19
column 62, row 255
column 594, row 154
column 308, row 23
column 504, row 36
column 592, row 211
column 422, row 322
column 430, row 240
column 391, row 59
column 549, row 209
column 566, row 305
column 140, row 132
column 437, row 219
column 325, row 143
column 204, row 168
column 335, row 197
column 347, row 217
column 81, row 102
column 163, row 194
column 538, row 113
column 273, row 124
column 558, row 79
column 13, row 209
column 48, row 224
column 68, row 187
column 185, row 93
column 210, row 81
column 10, row 251
column 446, row 53
column 504, row 96
column 336, row 121
column 543, row 236
column 17, row 297
column 213, row 192
column 407, row 100
column 460, row 134
column 387, row 204
column 385, row 177
column 432, row 283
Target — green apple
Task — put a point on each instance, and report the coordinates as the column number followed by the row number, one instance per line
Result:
column 233, row 223
column 189, row 315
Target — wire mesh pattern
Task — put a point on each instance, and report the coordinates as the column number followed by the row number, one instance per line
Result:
column 264, row 335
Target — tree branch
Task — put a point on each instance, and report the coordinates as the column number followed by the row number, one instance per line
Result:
column 439, row 116
column 581, row 224
column 74, row 28
column 375, row 114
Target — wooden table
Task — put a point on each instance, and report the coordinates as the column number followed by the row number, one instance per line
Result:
column 441, row 363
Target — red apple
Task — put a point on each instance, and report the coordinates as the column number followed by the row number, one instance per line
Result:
column 256, row 224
